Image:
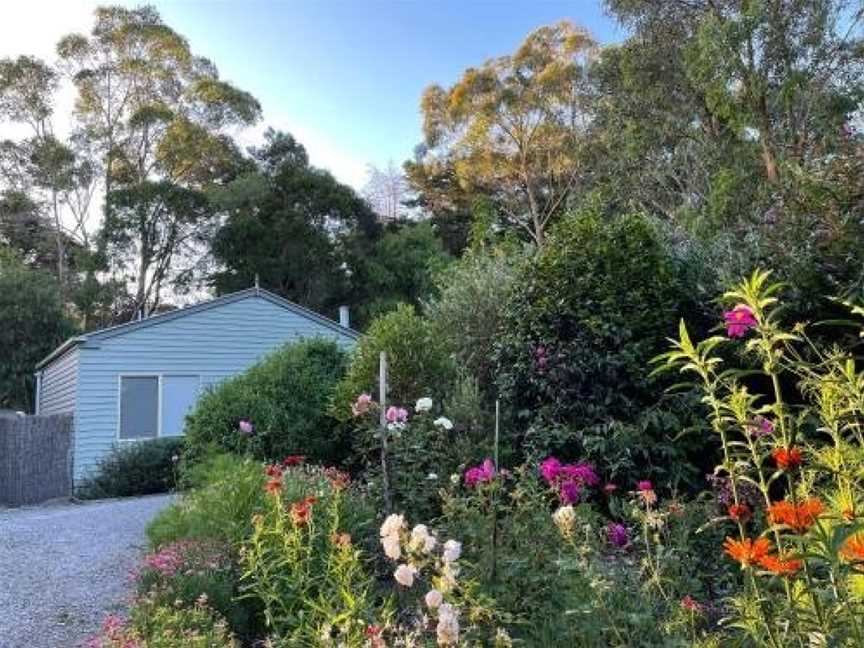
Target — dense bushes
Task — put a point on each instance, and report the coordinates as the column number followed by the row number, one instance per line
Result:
column 467, row 316
column 134, row 468
column 417, row 363
column 588, row 313
column 284, row 397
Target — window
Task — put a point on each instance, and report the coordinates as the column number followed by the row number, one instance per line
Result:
column 139, row 407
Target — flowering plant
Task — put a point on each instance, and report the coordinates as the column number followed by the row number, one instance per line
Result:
column 799, row 553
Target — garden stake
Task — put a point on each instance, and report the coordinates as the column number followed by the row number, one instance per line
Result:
column 382, row 399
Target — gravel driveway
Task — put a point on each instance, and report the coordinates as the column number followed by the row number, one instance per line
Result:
column 62, row 567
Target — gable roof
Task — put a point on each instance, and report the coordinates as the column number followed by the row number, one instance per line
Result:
column 161, row 318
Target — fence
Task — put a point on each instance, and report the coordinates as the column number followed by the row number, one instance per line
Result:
column 35, row 458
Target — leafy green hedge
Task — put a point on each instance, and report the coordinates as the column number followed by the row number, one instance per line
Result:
column 285, row 397
column 134, row 468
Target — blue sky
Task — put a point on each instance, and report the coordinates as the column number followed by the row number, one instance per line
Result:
column 348, row 76
column 345, row 77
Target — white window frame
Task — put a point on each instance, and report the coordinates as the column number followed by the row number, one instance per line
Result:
column 139, row 374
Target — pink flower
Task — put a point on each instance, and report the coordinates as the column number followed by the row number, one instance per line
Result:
column 617, row 534
column 246, row 427
column 485, row 472
column 362, row 405
column 582, row 473
column 396, row 414
column 570, row 491
column 550, row 469
column 610, row 488
column 645, row 485
column 739, row 320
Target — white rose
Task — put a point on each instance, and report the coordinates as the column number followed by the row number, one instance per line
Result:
column 448, row 626
column 565, row 519
column 404, row 575
column 430, row 543
column 392, row 525
column 443, row 422
column 391, row 547
column 434, row 598
column 452, row 551
column 423, row 405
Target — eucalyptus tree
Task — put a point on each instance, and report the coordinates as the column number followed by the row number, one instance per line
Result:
column 513, row 128
column 51, row 176
column 160, row 118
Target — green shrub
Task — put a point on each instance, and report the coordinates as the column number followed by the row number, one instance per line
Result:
column 134, row 468
column 417, row 362
column 468, row 314
column 152, row 624
column 182, row 572
column 226, row 491
column 285, row 396
column 588, row 313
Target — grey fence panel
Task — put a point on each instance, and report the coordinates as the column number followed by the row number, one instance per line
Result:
column 35, row 458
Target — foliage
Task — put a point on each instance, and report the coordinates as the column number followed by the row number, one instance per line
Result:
column 301, row 562
column 559, row 579
column 295, row 227
column 134, row 468
column 284, row 397
column 793, row 472
column 223, row 492
column 589, row 312
column 512, row 127
column 417, row 363
column 468, row 313
column 159, row 114
column 187, row 571
column 400, row 266
column 32, row 324
column 156, row 625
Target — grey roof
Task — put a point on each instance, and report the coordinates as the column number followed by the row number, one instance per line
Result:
column 154, row 320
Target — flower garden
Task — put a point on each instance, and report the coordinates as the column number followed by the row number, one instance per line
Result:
column 419, row 547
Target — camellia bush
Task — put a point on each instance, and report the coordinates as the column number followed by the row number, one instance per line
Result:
column 584, row 319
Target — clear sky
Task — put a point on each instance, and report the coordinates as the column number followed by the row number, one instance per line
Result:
column 345, row 77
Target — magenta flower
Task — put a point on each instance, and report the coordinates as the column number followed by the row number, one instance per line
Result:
column 485, row 472
column 550, row 469
column 582, row 473
column 362, row 405
column 739, row 320
column 246, row 427
column 645, row 486
column 396, row 414
column 570, row 491
column 617, row 534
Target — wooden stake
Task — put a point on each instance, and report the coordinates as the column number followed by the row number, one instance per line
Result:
column 382, row 400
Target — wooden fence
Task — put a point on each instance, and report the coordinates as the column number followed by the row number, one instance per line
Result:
column 35, row 458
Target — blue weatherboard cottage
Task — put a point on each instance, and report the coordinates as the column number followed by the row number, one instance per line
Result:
column 139, row 380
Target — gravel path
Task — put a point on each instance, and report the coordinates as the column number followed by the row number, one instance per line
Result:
column 63, row 567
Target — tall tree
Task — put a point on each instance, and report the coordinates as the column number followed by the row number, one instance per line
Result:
column 32, row 323
column 513, row 128
column 387, row 192
column 159, row 116
column 55, row 176
column 294, row 226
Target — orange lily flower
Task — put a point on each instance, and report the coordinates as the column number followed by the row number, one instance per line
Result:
column 799, row 517
column 747, row 552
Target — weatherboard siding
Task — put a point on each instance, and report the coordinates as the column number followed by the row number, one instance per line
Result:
column 59, row 379
column 213, row 344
